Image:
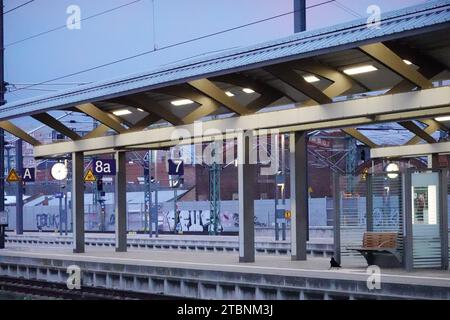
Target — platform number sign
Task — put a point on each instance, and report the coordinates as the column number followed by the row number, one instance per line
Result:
column 176, row 167
column 104, row 167
column 28, row 174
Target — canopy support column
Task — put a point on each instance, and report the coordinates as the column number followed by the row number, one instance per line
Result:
column 121, row 203
column 299, row 194
column 246, row 187
column 78, row 201
column 19, row 190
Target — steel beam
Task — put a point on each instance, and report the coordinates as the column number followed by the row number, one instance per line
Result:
column 298, row 142
column 145, row 122
column 360, row 137
column 384, row 55
column 386, row 108
column 411, row 151
column 121, row 120
column 202, row 111
column 209, row 89
column 120, row 196
column 150, row 106
column 286, row 74
column 341, row 83
column 51, row 122
column 207, row 105
column 411, row 126
column 246, row 190
column 267, row 92
column 262, row 102
column 429, row 68
column 19, row 133
column 433, row 126
column 78, row 201
column 100, row 131
column 101, row 116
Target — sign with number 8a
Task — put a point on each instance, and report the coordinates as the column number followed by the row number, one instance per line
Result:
column 104, row 167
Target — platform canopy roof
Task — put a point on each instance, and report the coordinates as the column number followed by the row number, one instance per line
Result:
column 408, row 51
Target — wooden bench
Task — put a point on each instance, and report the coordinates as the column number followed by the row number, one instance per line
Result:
column 381, row 249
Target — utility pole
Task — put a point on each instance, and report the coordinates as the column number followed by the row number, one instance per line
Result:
column 299, row 15
column 2, row 102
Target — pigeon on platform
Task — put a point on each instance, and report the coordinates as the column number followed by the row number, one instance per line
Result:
column 334, row 263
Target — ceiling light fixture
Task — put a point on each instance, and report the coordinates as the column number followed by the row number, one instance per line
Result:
column 441, row 119
column 248, row 90
column 141, row 110
column 123, row 112
column 358, row 70
column 311, row 79
column 407, row 62
column 182, row 102
column 230, row 94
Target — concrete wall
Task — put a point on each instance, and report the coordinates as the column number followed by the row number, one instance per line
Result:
column 194, row 215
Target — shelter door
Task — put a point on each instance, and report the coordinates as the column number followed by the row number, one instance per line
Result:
column 425, row 219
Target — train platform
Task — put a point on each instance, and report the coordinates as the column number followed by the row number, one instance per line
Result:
column 217, row 275
column 264, row 245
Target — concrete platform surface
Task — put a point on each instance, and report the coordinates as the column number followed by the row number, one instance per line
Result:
column 228, row 262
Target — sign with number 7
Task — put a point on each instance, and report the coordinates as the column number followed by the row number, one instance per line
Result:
column 176, row 167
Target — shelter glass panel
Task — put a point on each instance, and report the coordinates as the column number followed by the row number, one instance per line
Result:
column 352, row 216
column 387, row 205
column 425, row 219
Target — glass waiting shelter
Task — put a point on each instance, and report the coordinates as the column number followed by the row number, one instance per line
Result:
column 393, row 220
column 426, row 219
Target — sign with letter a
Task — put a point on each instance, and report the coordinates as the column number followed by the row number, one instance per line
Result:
column 28, row 175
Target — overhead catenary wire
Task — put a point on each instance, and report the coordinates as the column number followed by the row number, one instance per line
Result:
column 18, row 7
column 65, row 26
column 347, row 9
column 52, row 84
column 172, row 45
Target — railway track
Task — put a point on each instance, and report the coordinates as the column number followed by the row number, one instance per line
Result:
column 43, row 290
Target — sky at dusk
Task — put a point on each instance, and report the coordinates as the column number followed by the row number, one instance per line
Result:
column 116, row 29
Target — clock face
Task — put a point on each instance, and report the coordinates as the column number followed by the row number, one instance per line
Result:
column 59, row 171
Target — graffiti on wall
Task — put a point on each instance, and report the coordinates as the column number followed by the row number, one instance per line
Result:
column 47, row 221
